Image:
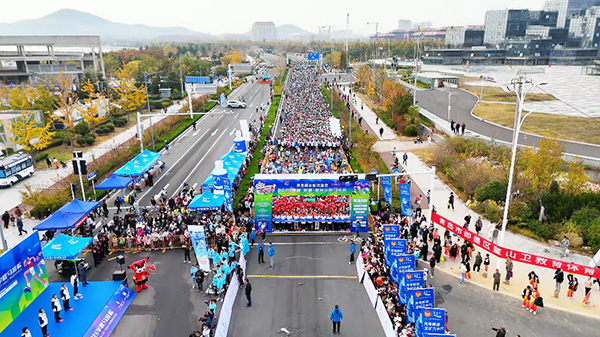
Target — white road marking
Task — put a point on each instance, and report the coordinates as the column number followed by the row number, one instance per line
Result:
column 232, row 132
column 214, row 133
column 198, row 164
column 167, row 185
column 194, row 186
column 171, row 167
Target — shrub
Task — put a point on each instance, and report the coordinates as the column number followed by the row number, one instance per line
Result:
column 89, row 139
column 592, row 236
column 101, row 130
column 81, row 128
column 519, row 214
column 490, row 210
column 80, row 141
column 542, row 230
column 585, row 217
column 492, row 190
column 56, row 142
column 412, row 131
column 120, row 121
column 40, row 156
column 110, row 127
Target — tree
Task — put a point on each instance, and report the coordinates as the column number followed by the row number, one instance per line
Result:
column 28, row 132
column 364, row 76
column 542, row 165
column 130, row 98
column 231, row 58
column 92, row 101
column 576, row 179
column 66, row 104
column 343, row 60
column 391, row 90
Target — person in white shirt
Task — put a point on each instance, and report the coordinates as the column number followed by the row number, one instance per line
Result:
column 65, row 296
column 26, row 332
column 206, row 331
column 43, row 320
column 56, row 307
column 75, row 285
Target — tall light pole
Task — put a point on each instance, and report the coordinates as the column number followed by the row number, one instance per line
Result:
column 450, row 93
column 519, row 83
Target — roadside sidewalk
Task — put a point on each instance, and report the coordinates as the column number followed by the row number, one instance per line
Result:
column 439, row 198
column 370, row 117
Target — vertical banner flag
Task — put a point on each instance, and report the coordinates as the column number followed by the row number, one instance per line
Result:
column 430, row 320
column 393, row 249
column 359, row 206
column 22, row 278
column 386, row 184
column 400, row 264
column 419, row 298
column 228, row 197
column 391, row 232
column 405, row 199
column 198, row 238
column 409, row 280
column 111, row 314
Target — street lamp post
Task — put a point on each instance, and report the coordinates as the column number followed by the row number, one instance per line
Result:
column 450, row 93
column 519, row 84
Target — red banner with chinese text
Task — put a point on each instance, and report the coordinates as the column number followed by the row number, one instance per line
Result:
column 513, row 254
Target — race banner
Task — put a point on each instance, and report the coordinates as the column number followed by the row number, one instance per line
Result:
column 430, row 320
column 198, row 239
column 409, row 280
column 267, row 186
column 113, row 311
column 391, row 232
column 386, row 184
column 515, row 255
column 23, row 277
column 400, row 264
column 228, row 201
column 418, row 298
column 393, row 249
column 438, row 335
column 405, row 199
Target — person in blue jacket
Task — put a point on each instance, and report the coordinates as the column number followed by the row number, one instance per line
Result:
column 253, row 236
column 352, row 251
column 271, row 253
column 336, row 318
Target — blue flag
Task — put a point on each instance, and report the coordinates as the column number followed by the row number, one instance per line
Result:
column 430, row 321
column 419, row 298
column 391, row 232
column 405, row 199
column 393, row 249
column 386, row 184
column 400, row 264
column 409, row 280
column 228, row 196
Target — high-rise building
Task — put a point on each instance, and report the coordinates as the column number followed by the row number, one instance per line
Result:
column 404, row 24
column 505, row 23
column 467, row 36
column 586, row 27
column 263, row 31
column 566, row 8
column 543, row 18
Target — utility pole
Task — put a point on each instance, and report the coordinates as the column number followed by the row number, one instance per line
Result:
column 181, row 74
column 450, row 93
column 417, row 50
column 79, row 168
column 375, row 39
column 347, row 33
column 148, row 101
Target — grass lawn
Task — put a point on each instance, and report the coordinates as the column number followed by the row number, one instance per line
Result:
column 562, row 127
column 495, row 94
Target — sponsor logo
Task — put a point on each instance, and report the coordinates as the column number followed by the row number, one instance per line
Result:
column 417, row 294
column 427, row 313
column 409, row 276
column 261, row 188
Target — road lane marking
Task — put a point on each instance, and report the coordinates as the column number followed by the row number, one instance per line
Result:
column 232, row 132
column 304, row 276
column 194, row 186
column 199, row 162
column 215, row 132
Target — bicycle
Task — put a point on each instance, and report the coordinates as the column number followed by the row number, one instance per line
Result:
column 347, row 238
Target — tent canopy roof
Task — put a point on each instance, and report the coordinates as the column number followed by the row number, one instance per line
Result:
column 206, row 202
column 139, row 164
column 64, row 247
column 67, row 216
column 114, row 182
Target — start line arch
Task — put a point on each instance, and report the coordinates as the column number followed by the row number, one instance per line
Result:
column 267, row 186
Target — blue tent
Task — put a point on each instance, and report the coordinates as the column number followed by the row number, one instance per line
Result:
column 232, row 163
column 68, row 216
column 266, row 76
column 206, row 202
column 114, row 183
column 138, row 165
column 64, row 247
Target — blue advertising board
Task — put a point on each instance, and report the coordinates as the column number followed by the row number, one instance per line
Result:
column 386, row 184
column 198, row 238
column 408, row 280
column 405, row 199
column 22, row 278
column 313, row 56
column 391, row 232
column 400, row 264
column 393, row 249
column 112, row 312
column 430, row 321
column 228, row 196
column 197, row 79
column 418, row 298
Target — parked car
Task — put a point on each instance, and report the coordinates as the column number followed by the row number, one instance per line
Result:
column 236, row 104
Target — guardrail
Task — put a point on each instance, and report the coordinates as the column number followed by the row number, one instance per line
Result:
column 378, row 305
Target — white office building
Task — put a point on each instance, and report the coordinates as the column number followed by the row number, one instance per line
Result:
column 264, row 31
column 566, row 8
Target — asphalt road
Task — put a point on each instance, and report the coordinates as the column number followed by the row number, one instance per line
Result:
column 462, row 103
column 298, row 294
column 473, row 310
column 192, row 157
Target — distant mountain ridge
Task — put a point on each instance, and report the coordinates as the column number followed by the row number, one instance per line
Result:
column 73, row 22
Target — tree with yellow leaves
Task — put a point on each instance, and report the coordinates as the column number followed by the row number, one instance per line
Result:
column 542, row 165
column 234, row 57
column 66, row 104
column 364, row 76
column 27, row 131
column 130, row 97
column 92, row 101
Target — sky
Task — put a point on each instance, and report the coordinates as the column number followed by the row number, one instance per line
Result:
column 237, row 16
